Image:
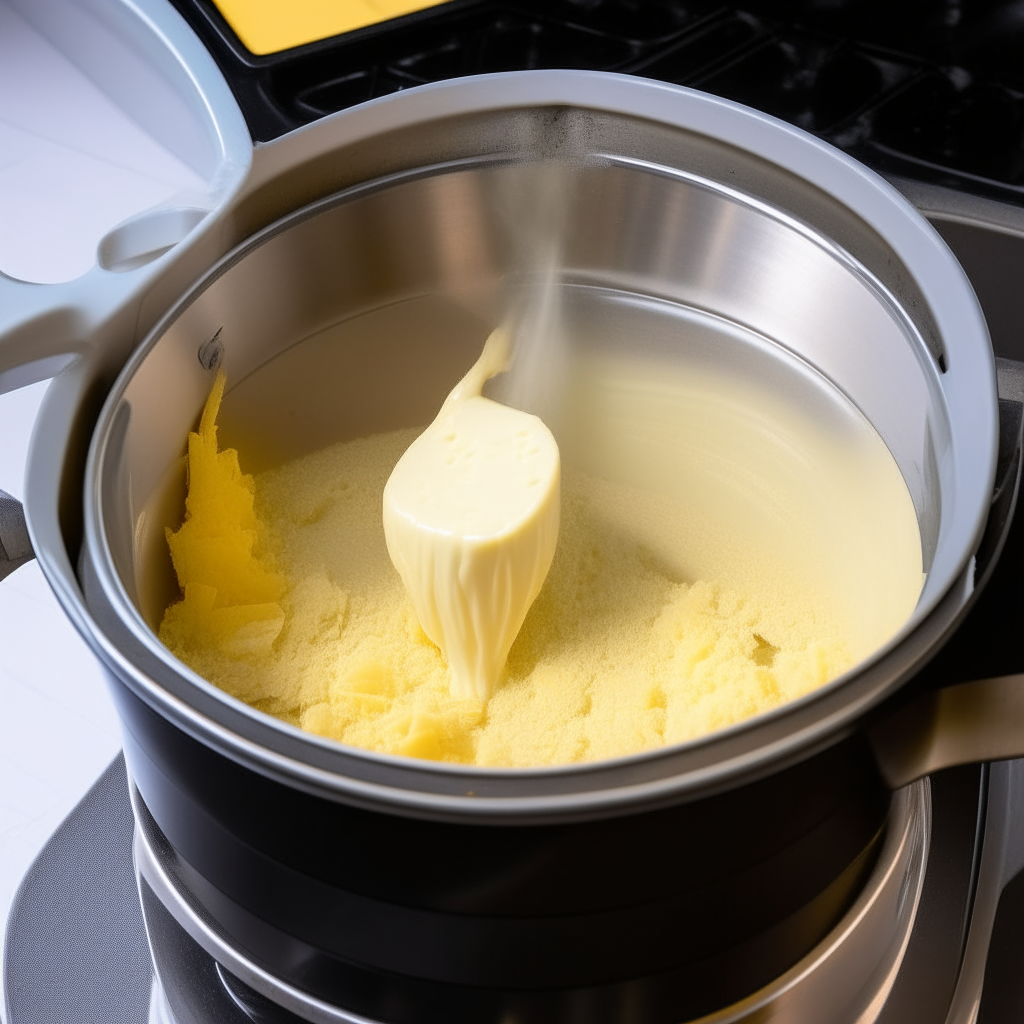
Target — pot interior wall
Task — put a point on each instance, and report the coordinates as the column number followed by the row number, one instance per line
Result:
column 358, row 315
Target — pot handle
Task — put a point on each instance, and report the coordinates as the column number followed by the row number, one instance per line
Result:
column 43, row 328
column 978, row 721
column 15, row 546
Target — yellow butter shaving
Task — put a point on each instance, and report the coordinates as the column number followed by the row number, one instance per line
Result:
column 230, row 596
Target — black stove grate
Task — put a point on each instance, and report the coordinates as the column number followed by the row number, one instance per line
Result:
column 927, row 89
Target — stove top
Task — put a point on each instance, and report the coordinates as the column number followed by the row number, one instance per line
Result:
column 928, row 89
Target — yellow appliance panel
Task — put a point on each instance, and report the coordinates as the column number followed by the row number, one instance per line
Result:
column 268, row 26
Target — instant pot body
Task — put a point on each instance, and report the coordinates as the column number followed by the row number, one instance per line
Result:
column 654, row 887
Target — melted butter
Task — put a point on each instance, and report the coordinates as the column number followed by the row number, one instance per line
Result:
column 471, row 515
column 229, row 597
column 726, row 545
column 794, row 498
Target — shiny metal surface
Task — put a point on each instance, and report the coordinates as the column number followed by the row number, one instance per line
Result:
column 797, row 175
column 848, row 977
column 844, row 980
column 154, row 866
column 436, row 245
column 638, row 229
column 1002, row 857
column 977, row 721
column 159, row 1011
column 761, row 184
column 428, row 245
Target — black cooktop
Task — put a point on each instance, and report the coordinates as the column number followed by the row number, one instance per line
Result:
column 926, row 89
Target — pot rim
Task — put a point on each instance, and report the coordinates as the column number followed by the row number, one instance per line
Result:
column 144, row 633
column 824, row 712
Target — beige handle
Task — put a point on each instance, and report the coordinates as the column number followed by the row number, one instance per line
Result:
column 965, row 724
column 972, row 722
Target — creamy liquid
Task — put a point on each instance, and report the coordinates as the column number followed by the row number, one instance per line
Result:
column 772, row 494
column 728, row 543
column 470, row 518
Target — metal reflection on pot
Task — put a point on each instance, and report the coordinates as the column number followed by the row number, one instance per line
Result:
column 736, row 533
column 534, row 893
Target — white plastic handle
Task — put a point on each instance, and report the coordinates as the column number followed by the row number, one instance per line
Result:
column 44, row 326
column 15, row 546
column 147, row 59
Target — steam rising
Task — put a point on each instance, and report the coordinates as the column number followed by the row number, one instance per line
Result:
column 535, row 201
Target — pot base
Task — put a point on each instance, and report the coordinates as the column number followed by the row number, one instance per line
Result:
column 846, row 978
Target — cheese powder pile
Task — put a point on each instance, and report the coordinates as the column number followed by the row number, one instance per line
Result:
column 291, row 604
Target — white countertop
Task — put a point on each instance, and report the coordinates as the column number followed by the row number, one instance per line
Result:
column 72, row 165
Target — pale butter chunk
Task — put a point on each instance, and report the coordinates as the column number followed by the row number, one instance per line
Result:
column 471, row 514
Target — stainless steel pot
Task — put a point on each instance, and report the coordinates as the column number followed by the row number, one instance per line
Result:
column 538, row 893
column 670, row 230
